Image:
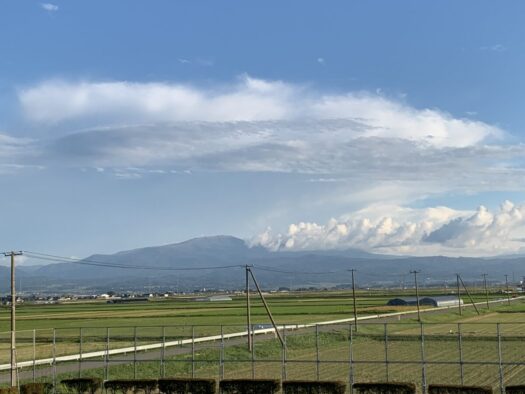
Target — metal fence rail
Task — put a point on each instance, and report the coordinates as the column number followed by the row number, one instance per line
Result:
column 425, row 353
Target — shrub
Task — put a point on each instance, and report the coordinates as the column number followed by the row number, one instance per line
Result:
column 184, row 386
column 249, row 386
column 385, row 388
column 36, row 388
column 125, row 385
column 313, row 387
column 8, row 390
column 446, row 389
column 82, row 385
column 515, row 389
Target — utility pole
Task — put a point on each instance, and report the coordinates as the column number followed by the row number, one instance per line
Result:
column 507, row 288
column 267, row 308
column 459, row 294
column 417, row 293
column 14, row 377
column 353, row 296
column 486, row 291
column 248, row 313
column 468, row 294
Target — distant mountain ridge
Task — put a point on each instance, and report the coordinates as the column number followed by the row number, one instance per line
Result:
column 160, row 263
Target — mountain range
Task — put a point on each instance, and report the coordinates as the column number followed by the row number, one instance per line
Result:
column 164, row 268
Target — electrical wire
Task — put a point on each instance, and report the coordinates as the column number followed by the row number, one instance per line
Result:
column 50, row 257
column 97, row 263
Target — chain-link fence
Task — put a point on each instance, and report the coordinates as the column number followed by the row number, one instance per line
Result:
column 430, row 353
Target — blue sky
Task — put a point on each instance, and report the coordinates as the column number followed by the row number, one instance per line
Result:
column 394, row 127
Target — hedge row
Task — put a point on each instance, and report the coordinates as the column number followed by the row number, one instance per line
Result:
column 8, row 390
column 29, row 388
column 244, row 386
column 249, row 386
column 317, row 387
column 183, row 386
column 449, row 389
column 125, row 385
column 83, row 385
column 167, row 385
column 385, row 388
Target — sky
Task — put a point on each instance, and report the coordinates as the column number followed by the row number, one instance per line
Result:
column 392, row 127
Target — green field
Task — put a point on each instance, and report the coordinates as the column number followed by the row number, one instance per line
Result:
column 111, row 326
column 287, row 308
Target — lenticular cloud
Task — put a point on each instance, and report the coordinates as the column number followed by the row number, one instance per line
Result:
column 248, row 100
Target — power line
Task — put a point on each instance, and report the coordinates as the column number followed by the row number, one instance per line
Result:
column 49, row 257
column 269, row 269
column 98, row 263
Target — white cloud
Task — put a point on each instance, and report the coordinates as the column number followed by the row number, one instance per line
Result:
column 49, row 7
column 394, row 229
column 494, row 48
column 12, row 146
column 353, row 138
column 250, row 100
column 320, row 60
column 17, row 154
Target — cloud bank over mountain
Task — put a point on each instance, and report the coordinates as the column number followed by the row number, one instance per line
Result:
column 409, row 231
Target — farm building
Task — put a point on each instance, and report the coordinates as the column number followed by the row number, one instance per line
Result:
column 432, row 301
column 219, row 298
column 215, row 298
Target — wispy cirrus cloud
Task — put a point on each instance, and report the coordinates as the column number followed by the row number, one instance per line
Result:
column 17, row 154
column 494, row 48
column 49, row 7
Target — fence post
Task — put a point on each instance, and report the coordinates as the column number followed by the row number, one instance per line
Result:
column 34, row 356
column 80, row 340
column 192, row 351
column 162, row 353
column 252, row 339
column 283, row 351
column 500, row 360
column 106, row 359
column 135, row 352
column 460, row 348
column 317, row 351
column 386, row 352
column 351, row 356
column 221, row 356
column 54, row 361
column 423, row 361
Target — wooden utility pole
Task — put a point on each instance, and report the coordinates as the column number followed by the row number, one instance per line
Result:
column 507, row 288
column 248, row 312
column 14, row 377
column 267, row 308
column 353, row 297
column 468, row 294
column 486, row 291
column 459, row 294
column 417, row 294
